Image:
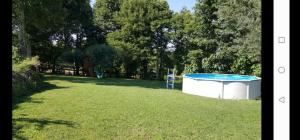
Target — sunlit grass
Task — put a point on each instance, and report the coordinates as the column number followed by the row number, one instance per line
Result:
column 89, row 108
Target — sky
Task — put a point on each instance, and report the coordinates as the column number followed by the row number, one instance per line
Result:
column 175, row 5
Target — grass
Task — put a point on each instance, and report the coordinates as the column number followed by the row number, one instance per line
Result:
column 88, row 108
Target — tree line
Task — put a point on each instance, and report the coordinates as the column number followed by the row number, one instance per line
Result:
column 140, row 37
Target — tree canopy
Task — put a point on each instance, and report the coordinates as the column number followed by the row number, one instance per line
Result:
column 141, row 37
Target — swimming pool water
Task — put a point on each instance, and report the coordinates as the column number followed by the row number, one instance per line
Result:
column 221, row 77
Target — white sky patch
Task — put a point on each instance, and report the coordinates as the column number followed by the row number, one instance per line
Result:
column 92, row 2
column 54, row 42
column 74, row 36
column 170, row 47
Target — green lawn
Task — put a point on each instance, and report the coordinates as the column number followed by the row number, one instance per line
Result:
column 87, row 108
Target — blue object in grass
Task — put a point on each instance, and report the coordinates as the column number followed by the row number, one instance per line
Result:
column 99, row 75
column 170, row 77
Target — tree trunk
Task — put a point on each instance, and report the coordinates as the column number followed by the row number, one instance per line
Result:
column 21, row 33
column 145, row 69
column 28, row 47
column 157, row 66
column 160, row 68
column 22, row 44
column 53, row 66
column 77, row 67
column 66, row 37
column 78, row 40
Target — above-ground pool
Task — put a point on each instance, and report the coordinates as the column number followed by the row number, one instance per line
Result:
column 223, row 86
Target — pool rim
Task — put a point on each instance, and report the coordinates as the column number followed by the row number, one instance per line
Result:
column 206, row 79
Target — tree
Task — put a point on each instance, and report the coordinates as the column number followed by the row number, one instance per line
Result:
column 135, row 33
column 79, row 21
column 230, row 43
column 180, row 34
column 143, row 31
column 194, row 60
column 221, row 61
column 102, row 56
column 104, row 12
column 127, row 53
column 55, row 26
column 75, row 57
column 241, row 32
column 202, row 33
column 160, row 27
column 19, row 26
column 204, row 36
column 34, row 22
column 78, row 27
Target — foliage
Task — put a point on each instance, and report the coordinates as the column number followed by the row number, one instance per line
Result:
column 242, row 33
column 195, row 60
column 73, row 56
column 104, row 12
column 256, row 69
column 146, row 36
column 53, row 26
column 204, row 36
column 16, row 57
column 179, row 37
column 220, row 61
column 102, row 55
column 126, row 52
column 25, row 83
column 229, row 43
column 143, row 33
column 242, row 65
column 25, row 78
column 26, row 65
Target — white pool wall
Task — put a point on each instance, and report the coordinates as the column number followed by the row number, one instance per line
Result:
column 222, row 89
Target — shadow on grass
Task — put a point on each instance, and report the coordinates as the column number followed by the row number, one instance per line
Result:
column 116, row 81
column 27, row 97
column 39, row 123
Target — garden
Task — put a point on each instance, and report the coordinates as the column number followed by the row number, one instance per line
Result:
column 98, row 71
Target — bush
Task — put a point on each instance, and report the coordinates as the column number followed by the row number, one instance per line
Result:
column 188, row 69
column 102, row 56
column 242, row 65
column 19, row 84
column 71, row 56
column 23, row 84
column 16, row 58
column 256, row 69
column 26, row 65
column 24, row 77
column 219, row 62
column 195, row 59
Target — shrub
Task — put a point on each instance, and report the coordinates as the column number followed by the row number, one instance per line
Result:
column 220, row 61
column 71, row 56
column 256, row 69
column 195, row 59
column 24, row 84
column 16, row 58
column 102, row 56
column 188, row 69
column 24, row 77
column 242, row 65
column 26, row 65
column 20, row 85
